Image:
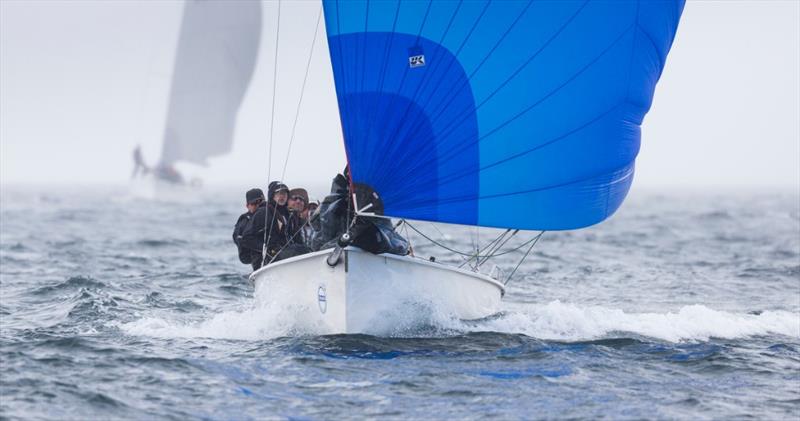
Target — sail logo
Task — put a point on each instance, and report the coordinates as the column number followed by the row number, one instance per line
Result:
column 416, row 57
column 322, row 299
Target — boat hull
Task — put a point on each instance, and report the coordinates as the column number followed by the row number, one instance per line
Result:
column 374, row 294
column 149, row 187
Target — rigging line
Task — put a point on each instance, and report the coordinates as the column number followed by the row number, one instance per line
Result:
column 460, row 147
column 536, row 240
column 268, row 233
column 460, row 252
column 477, row 247
column 439, row 110
column 497, row 248
column 436, row 242
column 302, row 91
column 444, row 238
column 523, row 244
column 472, row 240
column 477, row 251
column 441, row 236
column 475, row 267
column 383, row 127
column 291, row 239
column 492, row 248
column 433, row 225
column 410, row 244
column 515, row 248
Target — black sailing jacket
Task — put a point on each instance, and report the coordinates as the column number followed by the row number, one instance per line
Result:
column 245, row 255
column 253, row 234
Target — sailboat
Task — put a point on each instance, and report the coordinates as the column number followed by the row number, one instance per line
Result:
column 521, row 115
column 216, row 55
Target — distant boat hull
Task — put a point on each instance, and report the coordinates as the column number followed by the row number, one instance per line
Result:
column 149, row 187
column 367, row 293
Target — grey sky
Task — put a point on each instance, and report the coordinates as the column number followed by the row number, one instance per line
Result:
column 82, row 82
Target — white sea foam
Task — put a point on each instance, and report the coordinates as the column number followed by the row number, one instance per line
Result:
column 564, row 321
column 552, row 321
column 256, row 323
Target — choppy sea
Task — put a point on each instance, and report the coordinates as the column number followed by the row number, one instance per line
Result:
column 681, row 306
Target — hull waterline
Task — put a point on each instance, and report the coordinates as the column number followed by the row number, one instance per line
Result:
column 367, row 293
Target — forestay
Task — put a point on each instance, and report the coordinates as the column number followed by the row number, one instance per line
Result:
column 516, row 114
column 217, row 51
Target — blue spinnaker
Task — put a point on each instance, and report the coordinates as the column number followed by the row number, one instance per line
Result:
column 514, row 114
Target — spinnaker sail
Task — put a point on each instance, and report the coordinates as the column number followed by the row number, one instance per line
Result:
column 514, row 114
column 216, row 56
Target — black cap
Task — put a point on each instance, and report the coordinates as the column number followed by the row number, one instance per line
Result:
column 253, row 195
column 278, row 186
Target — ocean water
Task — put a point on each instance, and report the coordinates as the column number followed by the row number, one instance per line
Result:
column 683, row 305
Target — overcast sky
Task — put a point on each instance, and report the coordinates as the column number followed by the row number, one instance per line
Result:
column 83, row 82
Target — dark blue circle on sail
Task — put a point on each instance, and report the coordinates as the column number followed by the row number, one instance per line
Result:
column 516, row 114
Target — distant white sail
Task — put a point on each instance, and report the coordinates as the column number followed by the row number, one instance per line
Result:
column 216, row 55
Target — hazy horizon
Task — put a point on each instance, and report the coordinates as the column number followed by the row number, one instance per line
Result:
column 81, row 83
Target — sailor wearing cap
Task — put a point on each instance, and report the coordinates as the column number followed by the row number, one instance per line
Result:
column 298, row 208
column 271, row 221
column 298, row 199
column 253, row 198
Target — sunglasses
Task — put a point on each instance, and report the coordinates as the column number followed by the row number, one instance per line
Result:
column 298, row 198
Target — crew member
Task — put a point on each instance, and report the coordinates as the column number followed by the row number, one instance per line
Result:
column 271, row 220
column 139, row 167
column 298, row 216
column 253, row 198
column 336, row 216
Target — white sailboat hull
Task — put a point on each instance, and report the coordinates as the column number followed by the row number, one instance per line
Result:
column 367, row 293
column 149, row 187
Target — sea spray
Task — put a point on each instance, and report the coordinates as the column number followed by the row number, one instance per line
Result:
column 251, row 324
column 570, row 322
column 154, row 318
column 552, row 321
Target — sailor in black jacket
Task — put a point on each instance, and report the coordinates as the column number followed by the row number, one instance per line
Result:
column 271, row 216
column 253, row 198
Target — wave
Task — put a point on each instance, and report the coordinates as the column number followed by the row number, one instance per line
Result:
column 256, row 323
column 72, row 283
column 154, row 243
column 570, row 322
column 553, row 321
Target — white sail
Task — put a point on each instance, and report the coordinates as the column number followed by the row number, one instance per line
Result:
column 216, row 55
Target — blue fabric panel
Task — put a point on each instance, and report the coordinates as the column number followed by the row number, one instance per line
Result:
column 518, row 114
column 390, row 138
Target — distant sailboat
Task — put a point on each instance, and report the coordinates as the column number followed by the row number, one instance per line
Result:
column 522, row 115
column 216, row 55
